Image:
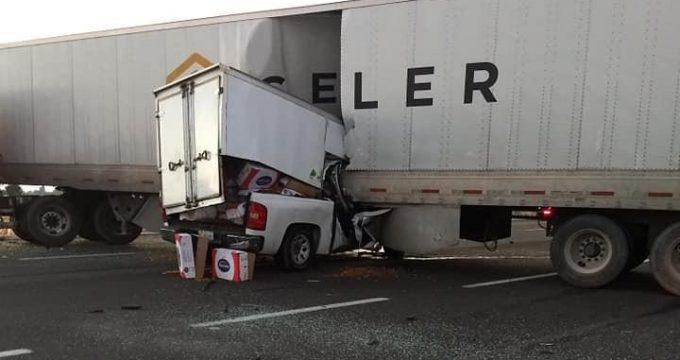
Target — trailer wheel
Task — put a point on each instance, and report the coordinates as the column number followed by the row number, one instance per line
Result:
column 589, row 251
column 108, row 228
column 87, row 231
column 393, row 254
column 52, row 221
column 297, row 249
column 19, row 228
column 665, row 259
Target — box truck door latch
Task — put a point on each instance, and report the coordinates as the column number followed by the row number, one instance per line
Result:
column 203, row 155
column 172, row 166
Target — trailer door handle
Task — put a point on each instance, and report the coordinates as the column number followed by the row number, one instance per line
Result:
column 172, row 166
column 203, row 155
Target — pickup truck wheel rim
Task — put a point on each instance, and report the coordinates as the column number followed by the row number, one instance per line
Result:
column 588, row 251
column 54, row 222
column 301, row 249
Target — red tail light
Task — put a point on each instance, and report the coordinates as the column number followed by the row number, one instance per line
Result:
column 546, row 213
column 257, row 216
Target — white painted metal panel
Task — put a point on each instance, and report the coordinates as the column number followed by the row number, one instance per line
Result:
column 180, row 43
column 53, row 103
column 95, row 102
column 206, row 109
column 335, row 136
column 278, row 49
column 141, row 68
column 264, row 126
column 284, row 211
column 171, row 112
column 16, row 109
column 582, row 85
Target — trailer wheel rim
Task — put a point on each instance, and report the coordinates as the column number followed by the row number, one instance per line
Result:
column 54, row 222
column 588, row 251
column 301, row 249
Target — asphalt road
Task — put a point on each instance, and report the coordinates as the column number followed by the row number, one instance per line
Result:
column 92, row 301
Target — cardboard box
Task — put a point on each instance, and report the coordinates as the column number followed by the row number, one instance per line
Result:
column 185, row 256
column 232, row 265
column 292, row 187
column 255, row 177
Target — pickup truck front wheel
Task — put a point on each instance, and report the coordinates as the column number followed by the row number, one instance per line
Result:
column 297, row 250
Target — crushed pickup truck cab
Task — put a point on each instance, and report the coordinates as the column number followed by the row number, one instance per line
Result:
column 244, row 162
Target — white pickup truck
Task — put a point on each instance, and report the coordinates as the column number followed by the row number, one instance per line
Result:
column 220, row 118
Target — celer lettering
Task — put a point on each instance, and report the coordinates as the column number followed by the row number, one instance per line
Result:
column 317, row 88
column 412, row 86
column 485, row 86
column 359, row 103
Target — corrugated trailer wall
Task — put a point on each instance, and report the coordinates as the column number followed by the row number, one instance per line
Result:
column 583, row 84
column 88, row 104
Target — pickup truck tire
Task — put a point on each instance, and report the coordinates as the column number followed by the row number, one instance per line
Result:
column 107, row 228
column 665, row 259
column 297, row 249
column 589, row 251
column 52, row 221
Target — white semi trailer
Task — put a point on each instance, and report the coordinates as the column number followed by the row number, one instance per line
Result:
column 459, row 112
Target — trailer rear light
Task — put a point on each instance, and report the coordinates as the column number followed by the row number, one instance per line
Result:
column 257, row 216
column 546, row 213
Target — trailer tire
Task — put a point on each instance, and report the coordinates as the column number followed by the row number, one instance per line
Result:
column 297, row 249
column 107, row 228
column 393, row 254
column 589, row 251
column 87, row 231
column 665, row 259
column 52, row 221
column 19, row 228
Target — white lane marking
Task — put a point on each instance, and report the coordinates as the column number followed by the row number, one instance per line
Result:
column 75, row 256
column 477, row 257
column 534, row 230
column 288, row 312
column 15, row 352
column 507, row 281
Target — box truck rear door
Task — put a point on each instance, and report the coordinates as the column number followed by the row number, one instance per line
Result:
column 171, row 149
column 206, row 112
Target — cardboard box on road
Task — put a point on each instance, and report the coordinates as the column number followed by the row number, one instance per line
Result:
column 232, row 265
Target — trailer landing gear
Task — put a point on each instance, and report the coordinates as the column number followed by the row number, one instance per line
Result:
column 108, row 227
